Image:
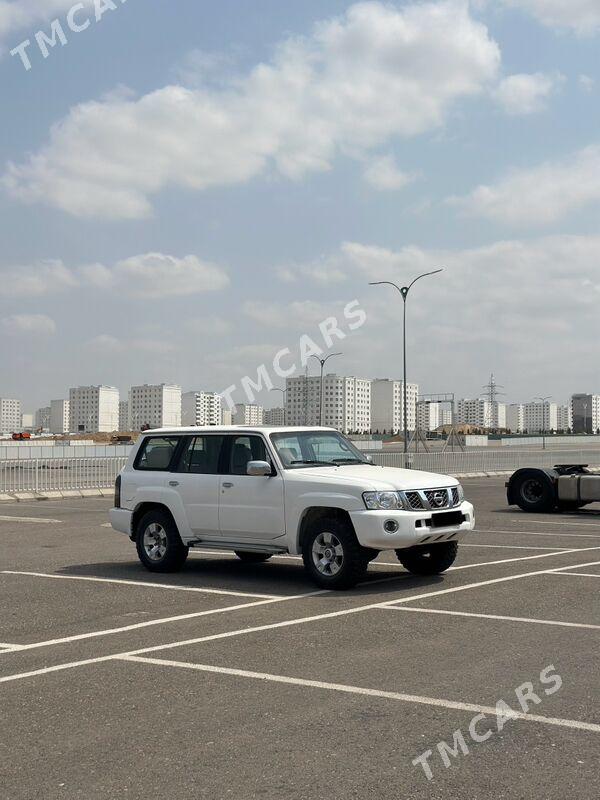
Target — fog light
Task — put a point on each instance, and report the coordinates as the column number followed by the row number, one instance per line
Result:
column 390, row 526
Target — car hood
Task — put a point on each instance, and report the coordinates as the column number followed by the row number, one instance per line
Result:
column 378, row 478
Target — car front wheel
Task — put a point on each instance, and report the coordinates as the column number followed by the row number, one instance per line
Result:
column 332, row 555
column 158, row 543
column 428, row 559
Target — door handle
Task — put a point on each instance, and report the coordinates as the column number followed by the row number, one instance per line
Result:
column 228, row 485
column 173, row 483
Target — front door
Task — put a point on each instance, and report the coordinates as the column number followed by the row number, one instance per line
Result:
column 197, row 482
column 250, row 507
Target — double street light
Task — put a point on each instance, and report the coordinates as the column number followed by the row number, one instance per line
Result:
column 322, row 362
column 284, row 395
column 404, row 290
column 543, row 401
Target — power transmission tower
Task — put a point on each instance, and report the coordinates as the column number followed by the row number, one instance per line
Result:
column 492, row 394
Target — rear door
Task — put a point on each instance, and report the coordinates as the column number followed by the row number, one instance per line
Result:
column 197, row 482
column 250, row 507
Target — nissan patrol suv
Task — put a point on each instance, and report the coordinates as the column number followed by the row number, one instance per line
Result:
column 263, row 491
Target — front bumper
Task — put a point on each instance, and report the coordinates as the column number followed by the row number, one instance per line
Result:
column 120, row 519
column 414, row 527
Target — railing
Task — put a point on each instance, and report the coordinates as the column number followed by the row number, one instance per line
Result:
column 500, row 460
column 58, row 474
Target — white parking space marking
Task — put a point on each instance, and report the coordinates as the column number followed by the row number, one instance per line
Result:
column 146, row 584
column 577, row 574
column 5, row 647
column 41, row 520
column 539, row 533
column 565, row 523
column 150, row 623
column 286, row 623
column 497, row 616
column 508, row 546
column 522, row 558
column 396, row 696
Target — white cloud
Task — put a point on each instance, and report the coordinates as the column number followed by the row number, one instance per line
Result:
column 383, row 173
column 322, row 272
column 106, row 344
column 541, row 195
column 16, row 15
column 29, row 324
column 581, row 16
column 302, row 314
column 587, row 83
column 524, row 94
column 150, row 275
column 375, row 73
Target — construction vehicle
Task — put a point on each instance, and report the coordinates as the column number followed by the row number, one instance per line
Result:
column 566, row 487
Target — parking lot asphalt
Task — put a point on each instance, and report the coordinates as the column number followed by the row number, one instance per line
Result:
column 229, row 680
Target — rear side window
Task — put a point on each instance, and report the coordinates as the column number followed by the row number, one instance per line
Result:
column 156, row 453
column 201, row 456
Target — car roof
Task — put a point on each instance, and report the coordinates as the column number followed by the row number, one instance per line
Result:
column 265, row 429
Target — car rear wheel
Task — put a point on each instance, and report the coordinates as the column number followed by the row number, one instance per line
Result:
column 158, row 543
column 252, row 558
column 428, row 559
column 535, row 493
column 332, row 555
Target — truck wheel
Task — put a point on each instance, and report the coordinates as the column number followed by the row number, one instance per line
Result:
column 332, row 555
column 535, row 493
column 158, row 543
column 428, row 559
column 252, row 558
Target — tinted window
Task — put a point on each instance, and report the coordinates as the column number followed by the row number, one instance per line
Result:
column 201, row 456
column 157, row 453
column 245, row 449
column 306, row 448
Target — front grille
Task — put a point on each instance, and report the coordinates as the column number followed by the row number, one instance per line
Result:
column 437, row 498
column 414, row 500
column 455, row 496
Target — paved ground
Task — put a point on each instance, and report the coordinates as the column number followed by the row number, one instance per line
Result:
column 236, row 681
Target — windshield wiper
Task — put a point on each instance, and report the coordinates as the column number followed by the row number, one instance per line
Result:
column 350, row 461
column 314, row 462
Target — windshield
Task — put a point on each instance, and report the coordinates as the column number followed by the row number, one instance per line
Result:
column 315, row 448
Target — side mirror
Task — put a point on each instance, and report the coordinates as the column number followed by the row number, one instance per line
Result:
column 259, row 469
column 369, row 459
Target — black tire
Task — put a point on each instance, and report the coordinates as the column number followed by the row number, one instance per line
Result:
column 343, row 563
column 158, row 543
column 252, row 558
column 534, row 493
column 430, row 559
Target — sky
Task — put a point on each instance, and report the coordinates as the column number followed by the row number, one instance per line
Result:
column 188, row 188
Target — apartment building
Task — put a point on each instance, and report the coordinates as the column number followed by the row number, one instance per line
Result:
column 482, row 413
column 585, row 412
column 59, row 416
column 515, row 417
column 540, row 417
column 387, row 405
column 274, row 417
column 345, row 402
column 431, row 416
column 93, row 409
column 155, row 406
column 564, row 420
column 10, row 415
column 201, row 408
column 42, row 419
column 248, row 414
column 124, row 424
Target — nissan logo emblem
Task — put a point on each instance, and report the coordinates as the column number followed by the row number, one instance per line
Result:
column 439, row 499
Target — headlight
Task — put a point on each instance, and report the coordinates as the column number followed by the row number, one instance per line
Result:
column 461, row 493
column 382, row 501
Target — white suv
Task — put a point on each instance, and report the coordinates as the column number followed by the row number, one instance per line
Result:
column 262, row 491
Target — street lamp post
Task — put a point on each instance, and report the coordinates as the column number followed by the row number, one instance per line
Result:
column 322, row 362
column 543, row 400
column 284, row 395
column 404, row 292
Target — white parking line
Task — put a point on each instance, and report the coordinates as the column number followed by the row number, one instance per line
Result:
column 497, row 616
column 522, row 558
column 286, row 623
column 578, row 574
column 508, row 546
column 539, row 533
column 565, row 522
column 143, row 584
column 31, row 519
column 360, row 690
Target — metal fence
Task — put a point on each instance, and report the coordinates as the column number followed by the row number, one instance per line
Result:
column 484, row 460
column 58, row 474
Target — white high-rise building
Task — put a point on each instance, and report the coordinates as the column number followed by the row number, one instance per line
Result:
column 59, row 416
column 564, row 421
column 274, row 417
column 157, row 406
column 431, row 415
column 482, row 413
column 248, row 414
column 10, row 415
column 387, row 406
column 346, row 402
column 585, row 413
column 93, row 409
column 42, row 419
column 515, row 417
column 124, row 415
column 201, row 408
column 27, row 422
column 540, row 417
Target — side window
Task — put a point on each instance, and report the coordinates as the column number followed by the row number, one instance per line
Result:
column 156, row 453
column 201, row 456
column 243, row 450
